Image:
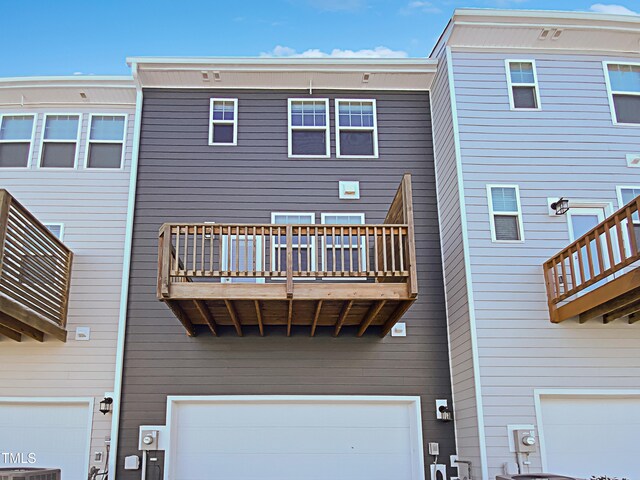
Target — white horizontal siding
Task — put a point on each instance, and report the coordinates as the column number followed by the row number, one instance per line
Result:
column 93, row 206
column 569, row 148
column 460, row 347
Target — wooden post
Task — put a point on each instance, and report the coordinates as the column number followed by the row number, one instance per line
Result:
column 407, row 217
column 67, row 291
column 289, row 234
column 5, row 203
column 164, row 260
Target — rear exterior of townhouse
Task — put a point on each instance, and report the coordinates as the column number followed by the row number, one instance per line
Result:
column 65, row 162
column 529, row 108
column 286, row 217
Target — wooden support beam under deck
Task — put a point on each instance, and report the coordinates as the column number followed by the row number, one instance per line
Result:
column 234, row 316
column 20, row 328
column 206, row 315
column 633, row 318
column 182, row 316
column 346, row 307
column 29, row 318
column 395, row 316
column 622, row 312
column 12, row 334
column 622, row 301
column 316, row 316
column 259, row 317
column 373, row 312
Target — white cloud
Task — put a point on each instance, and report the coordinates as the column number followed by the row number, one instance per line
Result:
column 611, row 8
column 420, row 6
column 377, row 52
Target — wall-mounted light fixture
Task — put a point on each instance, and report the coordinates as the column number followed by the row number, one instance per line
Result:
column 106, row 405
column 442, row 411
column 561, row 206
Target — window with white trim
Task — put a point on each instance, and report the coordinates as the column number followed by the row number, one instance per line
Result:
column 60, row 141
column 505, row 213
column 624, row 91
column 523, row 85
column 223, row 121
column 308, row 127
column 16, row 138
column 279, row 243
column 344, row 255
column 57, row 229
column 356, row 128
column 105, row 147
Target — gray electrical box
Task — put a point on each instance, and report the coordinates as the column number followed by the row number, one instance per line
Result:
column 525, row 441
column 148, row 440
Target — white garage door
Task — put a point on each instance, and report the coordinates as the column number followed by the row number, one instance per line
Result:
column 56, row 434
column 584, row 436
column 287, row 439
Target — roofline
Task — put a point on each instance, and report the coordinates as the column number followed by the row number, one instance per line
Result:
column 545, row 14
column 248, row 62
column 123, row 81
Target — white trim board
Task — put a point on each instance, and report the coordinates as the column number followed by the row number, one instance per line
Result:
column 412, row 401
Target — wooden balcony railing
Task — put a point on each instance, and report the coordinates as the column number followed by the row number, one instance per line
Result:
column 261, row 262
column 596, row 274
column 35, row 275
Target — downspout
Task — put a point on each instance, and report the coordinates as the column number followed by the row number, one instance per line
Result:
column 126, row 269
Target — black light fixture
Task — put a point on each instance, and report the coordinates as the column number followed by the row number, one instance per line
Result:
column 105, row 405
column 446, row 415
column 561, row 206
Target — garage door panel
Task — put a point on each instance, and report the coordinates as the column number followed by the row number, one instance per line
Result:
column 591, row 435
column 293, row 440
column 57, row 433
column 285, row 467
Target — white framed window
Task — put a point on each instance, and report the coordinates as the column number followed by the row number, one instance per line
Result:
column 346, row 259
column 60, row 140
column 16, row 140
column 223, row 121
column 505, row 213
column 356, row 128
column 279, row 242
column 57, row 229
column 522, row 81
column 241, row 257
column 623, row 89
column 625, row 195
column 105, row 141
column 308, row 127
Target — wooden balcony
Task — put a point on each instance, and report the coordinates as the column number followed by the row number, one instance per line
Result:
column 597, row 275
column 335, row 278
column 35, row 274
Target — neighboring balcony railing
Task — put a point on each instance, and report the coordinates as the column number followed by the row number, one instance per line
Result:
column 203, row 267
column 35, row 275
column 597, row 274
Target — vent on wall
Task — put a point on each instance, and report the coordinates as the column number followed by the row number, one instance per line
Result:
column 633, row 159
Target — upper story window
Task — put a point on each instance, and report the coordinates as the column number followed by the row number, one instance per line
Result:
column 105, row 147
column 309, row 128
column 356, row 128
column 624, row 92
column 505, row 213
column 523, row 85
column 16, row 138
column 60, row 141
column 223, row 121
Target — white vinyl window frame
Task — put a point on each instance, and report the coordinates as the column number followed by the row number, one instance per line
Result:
column 274, row 242
column 233, row 122
column 56, row 224
column 611, row 93
column 43, row 141
column 373, row 129
column 326, row 247
column 493, row 214
column 510, row 84
column 34, row 117
column 114, row 142
column 291, row 128
column 620, row 188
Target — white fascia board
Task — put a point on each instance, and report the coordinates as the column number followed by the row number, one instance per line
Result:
column 283, row 62
column 120, row 81
column 552, row 15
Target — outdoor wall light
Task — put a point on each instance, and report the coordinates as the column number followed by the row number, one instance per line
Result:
column 561, row 206
column 105, row 405
column 446, row 415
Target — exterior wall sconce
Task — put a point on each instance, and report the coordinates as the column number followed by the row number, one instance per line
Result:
column 105, row 405
column 561, row 206
column 442, row 411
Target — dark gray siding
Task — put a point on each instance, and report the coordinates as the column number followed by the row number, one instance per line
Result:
column 181, row 178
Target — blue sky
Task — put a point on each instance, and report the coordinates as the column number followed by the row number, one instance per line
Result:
column 65, row 37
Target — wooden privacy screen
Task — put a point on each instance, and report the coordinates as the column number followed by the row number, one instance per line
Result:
column 35, row 271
